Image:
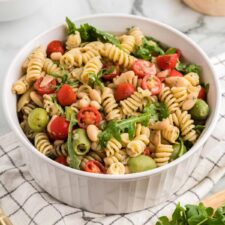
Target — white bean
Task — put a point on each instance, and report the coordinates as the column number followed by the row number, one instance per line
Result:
column 82, row 94
column 92, row 132
column 56, row 56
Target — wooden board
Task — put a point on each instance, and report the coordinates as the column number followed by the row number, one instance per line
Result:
column 216, row 200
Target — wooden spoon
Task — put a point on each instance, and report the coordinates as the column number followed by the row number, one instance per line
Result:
column 215, row 201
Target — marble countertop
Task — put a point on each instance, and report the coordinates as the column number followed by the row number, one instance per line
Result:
column 208, row 32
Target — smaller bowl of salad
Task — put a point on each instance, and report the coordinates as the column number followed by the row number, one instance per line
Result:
column 115, row 113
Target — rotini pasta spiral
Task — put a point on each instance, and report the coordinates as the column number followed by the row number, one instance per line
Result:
column 68, row 59
column 180, row 93
column 193, row 78
column 73, row 40
column 134, row 102
column 166, row 96
column 163, row 154
column 186, row 125
column 92, row 67
column 127, row 77
column 43, row 145
column 27, row 130
column 116, row 168
column 50, row 67
column 60, row 148
column 50, row 106
column 21, row 86
column 171, row 133
column 75, row 74
column 96, row 45
column 35, row 65
column 137, row 34
column 112, row 147
column 127, row 43
column 110, row 106
column 117, row 55
column 140, row 129
column 120, row 156
column 26, row 110
column 136, row 146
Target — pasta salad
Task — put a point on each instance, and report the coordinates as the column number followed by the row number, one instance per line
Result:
column 110, row 104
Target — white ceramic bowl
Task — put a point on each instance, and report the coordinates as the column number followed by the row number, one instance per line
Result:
column 113, row 193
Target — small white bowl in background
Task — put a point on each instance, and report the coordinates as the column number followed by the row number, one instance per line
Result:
column 113, row 193
column 16, row 9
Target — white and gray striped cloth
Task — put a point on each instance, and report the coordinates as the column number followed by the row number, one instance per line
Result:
column 27, row 204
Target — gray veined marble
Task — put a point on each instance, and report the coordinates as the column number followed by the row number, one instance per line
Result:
column 208, row 32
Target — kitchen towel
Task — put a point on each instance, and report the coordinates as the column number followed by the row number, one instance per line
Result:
column 27, row 204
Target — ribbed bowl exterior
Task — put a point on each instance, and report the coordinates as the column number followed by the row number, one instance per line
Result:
column 109, row 196
column 109, row 193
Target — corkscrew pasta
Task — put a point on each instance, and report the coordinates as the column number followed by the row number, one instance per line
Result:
column 107, row 104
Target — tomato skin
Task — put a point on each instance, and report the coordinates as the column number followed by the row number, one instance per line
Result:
column 55, row 46
column 48, row 89
column 110, row 76
column 88, row 115
column 58, row 128
column 66, row 96
column 202, row 93
column 124, row 91
column 147, row 151
column 175, row 73
column 167, row 61
column 93, row 166
column 152, row 83
column 62, row 160
column 143, row 68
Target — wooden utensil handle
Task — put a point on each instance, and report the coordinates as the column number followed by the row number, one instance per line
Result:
column 215, row 201
column 4, row 220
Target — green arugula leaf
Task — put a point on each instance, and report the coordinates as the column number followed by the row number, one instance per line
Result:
column 90, row 33
column 199, row 128
column 171, row 51
column 147, row 49
column 71, row 27
column 74, row 161
column 188, row 68
column 115, row 128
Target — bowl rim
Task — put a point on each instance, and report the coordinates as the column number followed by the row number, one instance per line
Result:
column 125, row 177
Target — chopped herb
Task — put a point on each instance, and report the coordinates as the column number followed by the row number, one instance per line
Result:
column 199, row 128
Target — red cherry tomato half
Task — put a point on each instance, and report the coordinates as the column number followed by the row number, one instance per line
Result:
column 167, row 61
column 202, row 93
column 113, row 74
column 62, row 160
column 175, row 73
column 124, row 91
column 88, row 115
column 66, row 96
column 58, row 128
column 55, row 46
column 143, row 68
column 152, row 83
column 94, row 166
column 47, row 89
column 178, row 52
column 147, row 151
